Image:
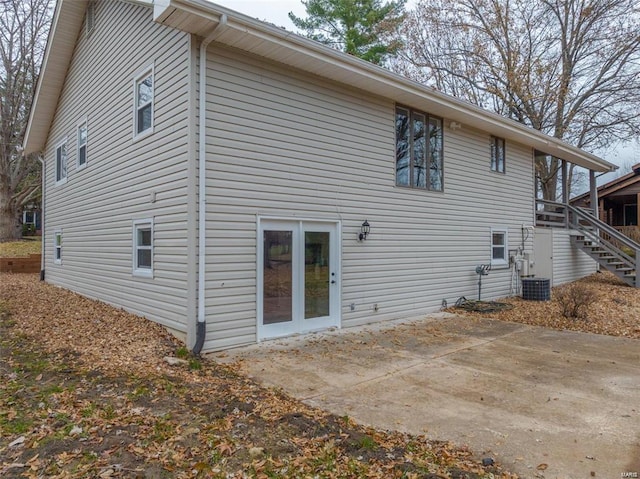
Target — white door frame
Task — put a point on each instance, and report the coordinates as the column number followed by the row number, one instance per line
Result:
column 299, row 324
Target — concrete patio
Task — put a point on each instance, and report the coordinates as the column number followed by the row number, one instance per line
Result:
column 544, row 403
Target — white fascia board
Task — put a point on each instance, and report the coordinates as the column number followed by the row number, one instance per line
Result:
column 277, row 44
column 66, row 24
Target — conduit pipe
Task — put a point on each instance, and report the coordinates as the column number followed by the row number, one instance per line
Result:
column 201, row 325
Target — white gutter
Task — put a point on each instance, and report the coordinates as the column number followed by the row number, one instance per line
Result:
column 42, row 236
column 201, row 327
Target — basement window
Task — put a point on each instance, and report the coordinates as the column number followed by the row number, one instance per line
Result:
column 57, row 247
column 143, row 248
column 499, row 242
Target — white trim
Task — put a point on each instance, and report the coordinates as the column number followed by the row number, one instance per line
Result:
column 84, row 122
column 142, row 74
column 63, row 180
column 56, row 259
column 499, row 262
column 299, row 324
column 136, row 270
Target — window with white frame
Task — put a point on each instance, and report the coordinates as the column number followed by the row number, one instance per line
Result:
column 143, row 248
column 499, row 242
column 57, row 247
column 82, row 144
column 143, row 103
column 61, row 162
column 497, row 154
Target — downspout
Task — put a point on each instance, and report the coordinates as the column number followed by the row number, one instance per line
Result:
column 201, row 326
column 42, row 236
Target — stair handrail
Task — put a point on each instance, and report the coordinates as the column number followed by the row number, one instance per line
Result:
column 588, row 216
column 602, row 226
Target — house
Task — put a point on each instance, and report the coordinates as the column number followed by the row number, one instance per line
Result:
column 236, row 182
column 617, row 200
column 31, row 220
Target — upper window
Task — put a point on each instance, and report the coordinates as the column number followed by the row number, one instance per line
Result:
column 497, row 154
column 61, row 162
column 143, row 248
column 57, row 247
column 143, row 101
column 82, row 144
column 499, row 247
column 418, row 150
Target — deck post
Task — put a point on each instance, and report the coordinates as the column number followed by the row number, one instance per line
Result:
column 565, row 191
column 593, row 188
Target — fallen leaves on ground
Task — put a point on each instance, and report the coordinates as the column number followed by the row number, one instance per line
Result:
column 21, row 248
column 615, row 311
column 84, row 392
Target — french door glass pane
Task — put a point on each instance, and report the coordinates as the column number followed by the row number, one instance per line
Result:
column 316, row 274
column 278, row 277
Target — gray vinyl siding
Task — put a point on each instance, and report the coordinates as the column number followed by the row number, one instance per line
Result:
column 123, row 180
column 285, row 144
column 569, row 262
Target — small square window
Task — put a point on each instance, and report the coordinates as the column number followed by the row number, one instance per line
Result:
column 499, row 242
column 143, row 103
column 57, row 247
column 497, row 154
column 143, row 248
column 82, row 144
column 61, row 163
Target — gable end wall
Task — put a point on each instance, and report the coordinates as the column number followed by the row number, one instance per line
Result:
column 124, row 179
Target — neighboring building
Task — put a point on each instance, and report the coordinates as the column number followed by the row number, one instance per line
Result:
column 31, row 220
column 235, row 182
column 617, row 200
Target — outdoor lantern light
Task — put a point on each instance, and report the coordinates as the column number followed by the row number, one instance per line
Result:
column 364, row 231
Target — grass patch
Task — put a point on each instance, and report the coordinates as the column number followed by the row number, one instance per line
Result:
column 16, row 249
column 182, row 352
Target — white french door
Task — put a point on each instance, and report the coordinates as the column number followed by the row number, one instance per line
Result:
column 298, row 277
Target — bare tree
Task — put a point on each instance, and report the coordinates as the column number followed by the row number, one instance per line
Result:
column 570, row 68
column 23, row 28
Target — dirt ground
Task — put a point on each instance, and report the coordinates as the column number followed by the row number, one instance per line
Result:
column 86, row 391
column 612, row 308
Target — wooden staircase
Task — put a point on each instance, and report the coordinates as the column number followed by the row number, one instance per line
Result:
column 611, row 249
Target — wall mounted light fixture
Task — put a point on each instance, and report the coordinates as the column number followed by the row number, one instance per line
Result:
column 454, row 125
column 365, row 229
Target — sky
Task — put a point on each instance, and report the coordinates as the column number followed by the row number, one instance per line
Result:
column 276, row 12
column 273, row 11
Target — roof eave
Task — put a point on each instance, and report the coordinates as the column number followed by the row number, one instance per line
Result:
column 66, row 24
column 277, row 44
